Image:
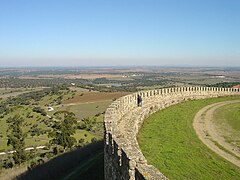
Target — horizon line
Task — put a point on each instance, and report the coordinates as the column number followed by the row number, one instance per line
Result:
column 119, row 66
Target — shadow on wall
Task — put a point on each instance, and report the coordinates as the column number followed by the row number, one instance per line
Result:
column 85, row 163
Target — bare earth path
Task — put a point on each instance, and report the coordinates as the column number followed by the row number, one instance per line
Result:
column 207, row 133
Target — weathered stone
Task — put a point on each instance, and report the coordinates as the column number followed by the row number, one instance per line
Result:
column 123, row 158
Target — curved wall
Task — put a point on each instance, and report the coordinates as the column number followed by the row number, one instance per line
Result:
column 123, row 158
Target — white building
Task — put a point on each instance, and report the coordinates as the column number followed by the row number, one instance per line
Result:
column 50, row 109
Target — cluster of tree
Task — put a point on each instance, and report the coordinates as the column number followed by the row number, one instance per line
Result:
column 39, row 110
column 36, row 131
column 4, row 109
column 111, row 89
column 91, row 124
column 32, row 83
column 129, row 85
column 61, row 138
column 16, row 138
column 225, row 84
column 6, row 72
column 87, row 123
column 34, row 96
column 63, row 131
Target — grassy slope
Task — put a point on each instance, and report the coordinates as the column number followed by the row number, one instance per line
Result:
column 169, row 142
column 28, row 122
column 231, row 115
column 227, row 119
column 81, row 110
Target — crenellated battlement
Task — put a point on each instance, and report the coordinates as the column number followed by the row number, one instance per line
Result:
column 123, row 158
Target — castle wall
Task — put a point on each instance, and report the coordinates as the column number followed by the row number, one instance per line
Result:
column 123, row 158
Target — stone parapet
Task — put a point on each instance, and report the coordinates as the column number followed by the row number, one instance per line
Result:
column 123, row 158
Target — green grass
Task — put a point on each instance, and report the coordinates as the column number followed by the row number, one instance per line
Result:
column 169, row 142
column 227, row 119
column 47, row 100
column 86, row 135
column 224, row 149
column 230, row 114
column 86, row 109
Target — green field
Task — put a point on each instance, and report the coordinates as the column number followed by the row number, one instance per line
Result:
column 86, row 109
column 169, row 142
column 227, row 119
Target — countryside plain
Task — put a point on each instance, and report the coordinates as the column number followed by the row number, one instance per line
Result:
column 44, row 100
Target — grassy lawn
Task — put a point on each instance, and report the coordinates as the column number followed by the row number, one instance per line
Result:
column 227, row 119
column 169, row 142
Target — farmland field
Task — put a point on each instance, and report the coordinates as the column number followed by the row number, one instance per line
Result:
column 87, row 109
column 95, row 97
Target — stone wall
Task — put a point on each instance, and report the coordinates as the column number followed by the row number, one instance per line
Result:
column 123, row 158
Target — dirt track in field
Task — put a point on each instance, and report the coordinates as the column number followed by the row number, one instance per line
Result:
column 207, row 133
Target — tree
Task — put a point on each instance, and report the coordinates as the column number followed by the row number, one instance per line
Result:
column 62, row 131
column 16, row 139
column 88, row 123
column 35, row 130
column 39, row 110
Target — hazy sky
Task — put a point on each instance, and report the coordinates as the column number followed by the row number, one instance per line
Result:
column 119, row 32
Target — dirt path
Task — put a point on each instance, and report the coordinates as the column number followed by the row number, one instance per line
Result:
column 207, row 133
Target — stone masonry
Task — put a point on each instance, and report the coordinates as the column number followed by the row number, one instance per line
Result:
column 123, row 158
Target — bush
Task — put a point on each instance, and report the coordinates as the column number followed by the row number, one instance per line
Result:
column 39, row 110
column 8, row 163
column 35, row 162
column 94, row 140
